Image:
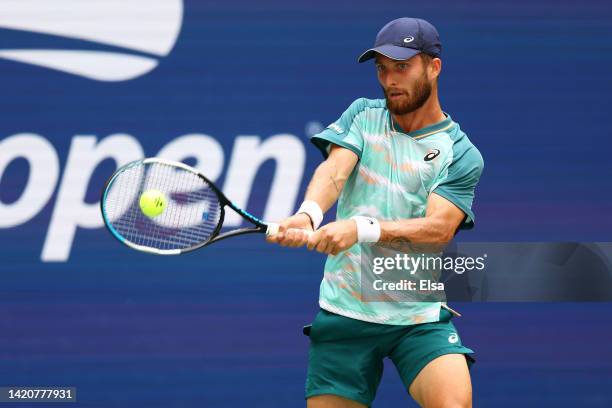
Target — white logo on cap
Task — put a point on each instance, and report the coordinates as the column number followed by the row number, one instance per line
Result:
column 408, row 39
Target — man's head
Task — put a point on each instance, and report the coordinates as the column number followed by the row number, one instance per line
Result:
column 407, row 52
column 407, row 84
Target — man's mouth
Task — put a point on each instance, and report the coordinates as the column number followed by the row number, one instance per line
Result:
column 395, row 95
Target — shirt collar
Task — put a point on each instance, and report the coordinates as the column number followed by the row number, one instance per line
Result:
column 441, row 126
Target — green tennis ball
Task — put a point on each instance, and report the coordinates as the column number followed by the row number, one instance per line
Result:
column 153, row 203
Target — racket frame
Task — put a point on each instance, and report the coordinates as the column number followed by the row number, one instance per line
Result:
column 260, row 226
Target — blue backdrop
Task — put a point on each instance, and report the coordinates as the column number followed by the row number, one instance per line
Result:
column 221, row 327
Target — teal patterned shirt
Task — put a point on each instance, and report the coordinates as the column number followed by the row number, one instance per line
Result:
column 394, row 176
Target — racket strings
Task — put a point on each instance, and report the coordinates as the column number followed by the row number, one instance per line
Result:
column 190, row 218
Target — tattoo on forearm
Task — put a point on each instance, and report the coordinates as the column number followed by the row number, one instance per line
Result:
column 326, row 171
column 333, row 176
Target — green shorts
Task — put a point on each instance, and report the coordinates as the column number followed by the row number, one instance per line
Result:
column 346, row 355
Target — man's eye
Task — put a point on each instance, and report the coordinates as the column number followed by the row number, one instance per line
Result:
column 402, row 66
column 380, row 68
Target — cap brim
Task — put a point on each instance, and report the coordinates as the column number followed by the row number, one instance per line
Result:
column 391, row 51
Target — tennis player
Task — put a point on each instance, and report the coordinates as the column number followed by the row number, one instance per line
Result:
column 400, row 168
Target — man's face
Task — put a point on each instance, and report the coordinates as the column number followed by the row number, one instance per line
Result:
column 405, row 83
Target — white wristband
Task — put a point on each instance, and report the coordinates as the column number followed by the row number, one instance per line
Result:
column 368, row 229
column 312, row 209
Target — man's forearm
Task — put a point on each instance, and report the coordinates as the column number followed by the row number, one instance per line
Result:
column 326, row 185
column 430, row 230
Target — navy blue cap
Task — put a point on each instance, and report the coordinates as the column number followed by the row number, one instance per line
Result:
column 404, row 38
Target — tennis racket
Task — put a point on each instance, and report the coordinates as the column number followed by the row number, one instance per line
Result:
column 194, row 208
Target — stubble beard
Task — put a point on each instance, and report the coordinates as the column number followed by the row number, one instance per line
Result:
column 411, row 101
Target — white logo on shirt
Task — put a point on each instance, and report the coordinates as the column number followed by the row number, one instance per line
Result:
column 336, row 128
column 453, row 338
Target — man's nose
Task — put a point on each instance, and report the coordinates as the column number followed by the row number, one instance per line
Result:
column 389, row 80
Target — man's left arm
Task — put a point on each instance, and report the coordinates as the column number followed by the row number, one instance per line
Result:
column 442, row 218
column 441, row 221
column 449, row 207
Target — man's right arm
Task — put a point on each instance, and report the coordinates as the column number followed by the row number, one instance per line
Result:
column 331, row 175
column 324, row 189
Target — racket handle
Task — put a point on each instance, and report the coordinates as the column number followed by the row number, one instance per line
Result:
column 308, row 232
column 273, row 229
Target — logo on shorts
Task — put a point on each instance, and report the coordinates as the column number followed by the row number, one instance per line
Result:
column 453, row 338
column 433, row 153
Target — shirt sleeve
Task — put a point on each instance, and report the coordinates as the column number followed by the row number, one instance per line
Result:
column 459, row 179
column 344, row 132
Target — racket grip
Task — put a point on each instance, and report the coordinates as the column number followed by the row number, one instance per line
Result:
column 273, row 229
column 308, row 232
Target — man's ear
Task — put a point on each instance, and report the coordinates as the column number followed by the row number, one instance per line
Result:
column 435, row 67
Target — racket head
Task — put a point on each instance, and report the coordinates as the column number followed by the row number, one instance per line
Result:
column 193, row 213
